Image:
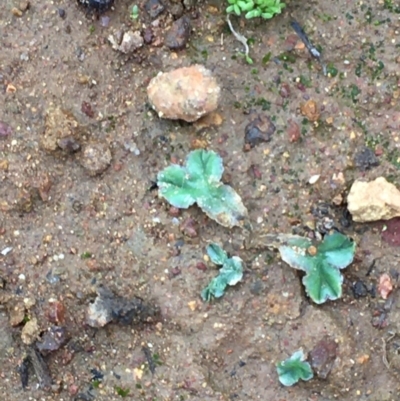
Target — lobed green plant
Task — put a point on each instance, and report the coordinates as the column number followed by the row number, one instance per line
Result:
column 321, row 262
column 293, row 369
column 199, row 181
column 255, row 8
column 230, row 273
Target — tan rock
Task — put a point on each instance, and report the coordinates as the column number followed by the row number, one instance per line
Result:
column 30, row 332
column 184, row 94
column 17, row 313
column 59, row 124
column 372, row 201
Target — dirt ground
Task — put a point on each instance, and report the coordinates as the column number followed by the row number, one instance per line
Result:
column 70, row 231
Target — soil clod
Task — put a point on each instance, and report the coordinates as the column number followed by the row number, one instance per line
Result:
column 109, row 307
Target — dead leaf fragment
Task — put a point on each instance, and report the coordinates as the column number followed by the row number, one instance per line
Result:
column 385, row 286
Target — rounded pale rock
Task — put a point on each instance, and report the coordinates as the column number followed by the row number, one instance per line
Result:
column 96, row 158
column 372, row 201
column 186, row 93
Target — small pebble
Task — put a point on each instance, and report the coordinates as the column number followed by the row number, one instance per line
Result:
column 104, row 21
column 178, row 35
column 61, row 13
column 365, row 159
column 96, row 158
column 313, row 179
column 16, row 12
column 5, row 130
column 24, row 5
column 201, row 266
column 257, row 131
column 154, row 8
column 7, row 250
column 359, row 289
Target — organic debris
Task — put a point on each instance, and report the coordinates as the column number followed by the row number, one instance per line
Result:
column 35, row 360
column 385, row 286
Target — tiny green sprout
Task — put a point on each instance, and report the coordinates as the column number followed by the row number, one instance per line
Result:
column 248, row 59
column 26, row 319
column 86, row 255
column 96, row 383
column 266, row 9
column 293, row 369
column 230, row 273
column 135, row 12
column 122, row 392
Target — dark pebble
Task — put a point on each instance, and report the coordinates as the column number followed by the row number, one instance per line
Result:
column 148, row 35
column 346, row 219
column 23, row 370
column 97, row 375
column 178, row 35
column 323, row 356
column 61, row 13
column 259, row 130
column 201, row 266
column 190, row 228
column 284, row 90
column 392, row 233
column 55, row 312
column 87, row 109
column 254, row 172
column 69, row 144
column 40, row 368
column 174, row 211
column 257, row 287
column 365, row 159
column 52, row 340
column 176, row 10
column 154, row 8
column 359, row 289
column 5, row 130
column 175, row 271
column 52, row 278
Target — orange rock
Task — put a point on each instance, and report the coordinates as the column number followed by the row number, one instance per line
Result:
column 310, row 110
column 186, row 93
